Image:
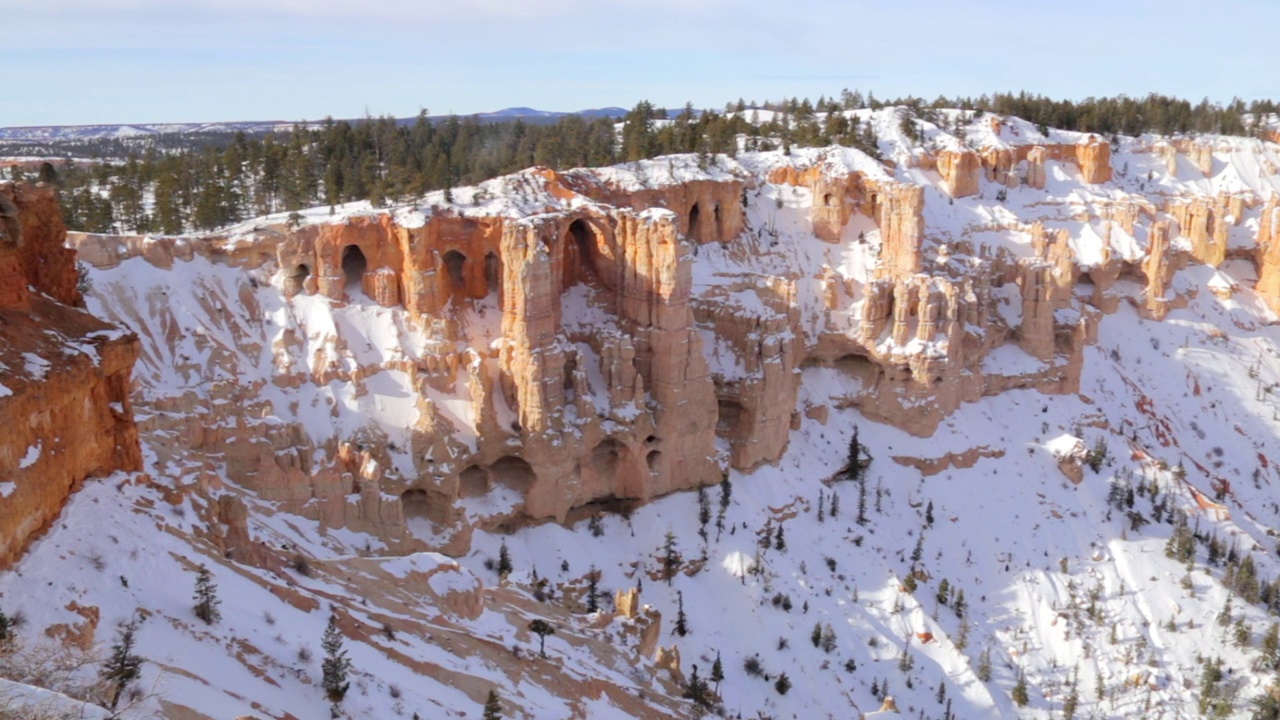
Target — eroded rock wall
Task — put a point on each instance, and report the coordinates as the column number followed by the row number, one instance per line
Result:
column 64, row 375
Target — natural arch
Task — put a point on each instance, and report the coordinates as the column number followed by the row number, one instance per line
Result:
column 606, row 456
column 695, row 220
column 455, row 267
column 492, row 273
column 473, row 482
column 301, row 273
column 513, row 472
column 730, row 419
column 414, row 503
column 653, row 458
column 580, row 254
column 354, row 265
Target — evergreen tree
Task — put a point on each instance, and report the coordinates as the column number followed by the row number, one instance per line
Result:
column 7, row 635
column 779, row 541
column 336, row 664
column 984, row 665
column 504, row 560
column 493, row 706
column 593, row 590
column 717, row 672
column 670, row 557
column 682, row 627
column 782, row 684
column 704, row 512
column 206, row 597
column 1019, row 694
column 123, row 666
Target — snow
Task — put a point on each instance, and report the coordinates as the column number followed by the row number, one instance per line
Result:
column 1049, row 570
column 7, row 488
column 32, row 456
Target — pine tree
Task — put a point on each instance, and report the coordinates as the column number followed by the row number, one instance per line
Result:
column 816, row 636
column 682, row 627
column 944, row 592
column 862, row 502
column 593, row 590
column 493, row 706
column 783, row 684
column 779, row 541
column 542, row 629
column 928, row 514
column 1020, row 696
column 6, row 633
column 822, row 506
column 828, row 639
column 984, row 665
column 670, row 557
column 717, row 672
column 704, row 512
column 122, row 666
column 504, row 560
column 336, row 664
column 206, row 597
column 1072, row 701
column 918, row 552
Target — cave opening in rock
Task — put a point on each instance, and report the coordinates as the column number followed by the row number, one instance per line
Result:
column 354, row 265
column 455, row 267
column 719, row 222
column 473, row 482
column 605, row 457
column 414, row 503
column 860, row 367
column 653, row 458
column 301, row 273
column 492, row 273
column 513, row 472
column 730, row 418
column 695, row 220
column 580, row 252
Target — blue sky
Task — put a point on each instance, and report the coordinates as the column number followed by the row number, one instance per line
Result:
column 115, row 61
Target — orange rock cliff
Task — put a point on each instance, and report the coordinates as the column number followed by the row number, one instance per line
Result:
column 581, row 352
column 64, row 374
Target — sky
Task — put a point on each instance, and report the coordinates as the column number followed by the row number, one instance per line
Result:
column 71, row 62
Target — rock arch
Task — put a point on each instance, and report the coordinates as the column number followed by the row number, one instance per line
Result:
column 580, row 254
column 493, row 274
column 354, row 265
column 513, row 472
column 695, row 223
column 415, row 504
column 473, row 482
column 455, row 267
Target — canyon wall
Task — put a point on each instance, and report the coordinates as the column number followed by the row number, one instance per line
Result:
column 571, row 358
column 64, row 375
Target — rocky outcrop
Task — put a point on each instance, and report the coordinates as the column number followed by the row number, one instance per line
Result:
column 64, row 375
column 1268, row 253
column 960, row 170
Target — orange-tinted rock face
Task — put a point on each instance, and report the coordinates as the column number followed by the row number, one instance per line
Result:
column 960, row 171
column 1268, row 253
column 64, row 376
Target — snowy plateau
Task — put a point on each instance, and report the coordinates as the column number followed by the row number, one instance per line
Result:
column 1060, row 353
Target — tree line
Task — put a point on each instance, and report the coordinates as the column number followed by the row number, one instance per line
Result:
column 168, row 186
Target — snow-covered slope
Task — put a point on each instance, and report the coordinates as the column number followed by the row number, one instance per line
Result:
column 1062, row 567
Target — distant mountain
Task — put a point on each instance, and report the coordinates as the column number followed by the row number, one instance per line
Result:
column 63, row 133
